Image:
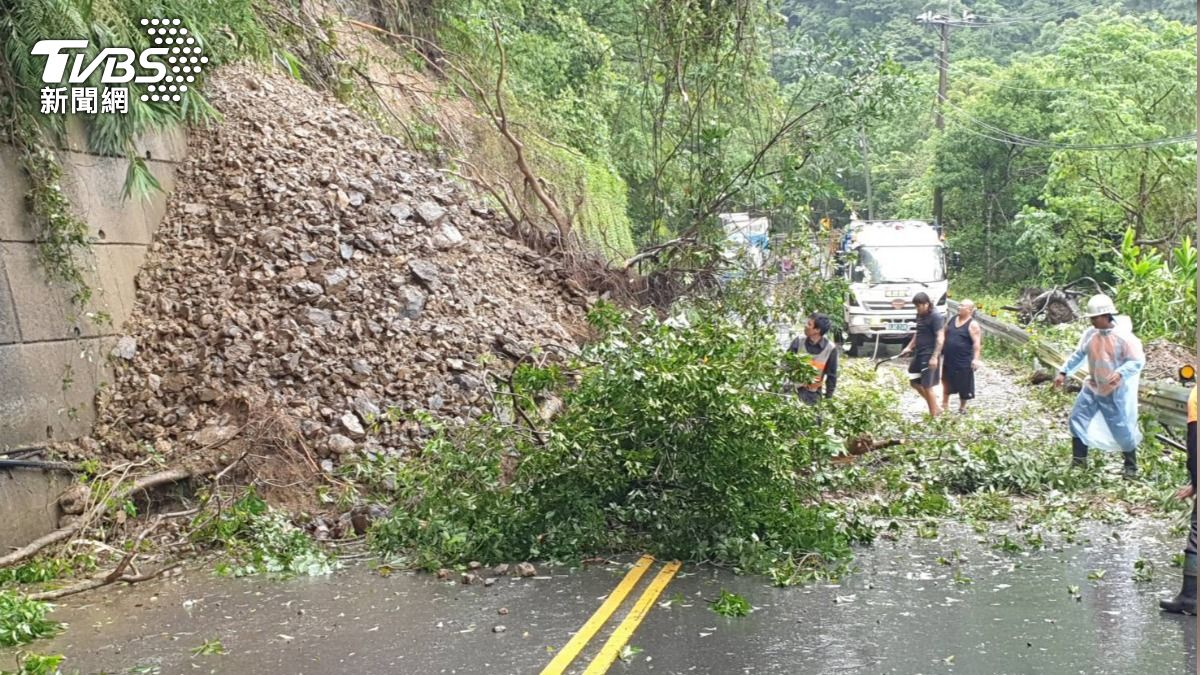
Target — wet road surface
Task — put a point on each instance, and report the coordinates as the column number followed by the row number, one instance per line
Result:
column 902, row 612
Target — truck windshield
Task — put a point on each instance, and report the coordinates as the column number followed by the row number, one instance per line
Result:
column 899, row 264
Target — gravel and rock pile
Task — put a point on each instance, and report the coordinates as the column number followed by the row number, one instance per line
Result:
column 1163, row 360
column 310, row 260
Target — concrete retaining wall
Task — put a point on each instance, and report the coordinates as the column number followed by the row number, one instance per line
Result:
column 29, row 505
column 54, row 357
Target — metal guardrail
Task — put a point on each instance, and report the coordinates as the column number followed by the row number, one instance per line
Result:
column 1168, row 401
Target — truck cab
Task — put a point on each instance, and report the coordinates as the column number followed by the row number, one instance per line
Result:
column 886, row 263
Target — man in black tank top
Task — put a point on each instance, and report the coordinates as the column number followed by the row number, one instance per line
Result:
column 960, row 356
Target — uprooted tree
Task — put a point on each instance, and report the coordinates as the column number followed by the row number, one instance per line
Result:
column 673, row 436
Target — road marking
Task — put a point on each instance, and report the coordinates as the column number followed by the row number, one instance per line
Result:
column 612, row 649
column 593, row 625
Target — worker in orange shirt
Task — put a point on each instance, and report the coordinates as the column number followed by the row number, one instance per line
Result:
column 824, row 355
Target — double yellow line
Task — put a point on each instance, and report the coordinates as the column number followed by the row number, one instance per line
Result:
column 612, row 648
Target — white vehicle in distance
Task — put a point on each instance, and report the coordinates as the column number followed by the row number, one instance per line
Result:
column 886, row 263
column 746, row 241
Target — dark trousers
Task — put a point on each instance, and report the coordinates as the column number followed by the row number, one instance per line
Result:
column 1191, row 545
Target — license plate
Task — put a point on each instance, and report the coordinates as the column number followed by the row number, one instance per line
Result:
column 897, row 326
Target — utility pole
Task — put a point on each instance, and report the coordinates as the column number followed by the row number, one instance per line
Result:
column 939, row 121
column 865, row 144
column 943, row 23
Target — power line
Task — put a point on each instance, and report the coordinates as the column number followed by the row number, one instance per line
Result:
column 1002, row 84
column 1034, row 142
column 1006, row 141
column 1005, row 136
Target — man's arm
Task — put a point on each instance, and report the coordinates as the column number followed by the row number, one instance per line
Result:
column 1077, row 357
column 941, row 341
column 912, row 342
column 831, row 373
column 977, row 339
column 795, row 346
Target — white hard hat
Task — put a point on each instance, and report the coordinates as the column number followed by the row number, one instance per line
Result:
column 1099, row 305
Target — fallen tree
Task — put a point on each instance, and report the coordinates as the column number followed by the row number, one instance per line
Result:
column 673, row 437
column 1053, row 305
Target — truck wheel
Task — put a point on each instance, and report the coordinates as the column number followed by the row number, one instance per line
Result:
column 856, row 345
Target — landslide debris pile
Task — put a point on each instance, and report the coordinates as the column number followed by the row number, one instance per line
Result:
column 1163, row 360
column 310, row 262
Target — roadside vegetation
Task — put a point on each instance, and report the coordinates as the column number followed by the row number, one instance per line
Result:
column 258, row 539
column 674, row 438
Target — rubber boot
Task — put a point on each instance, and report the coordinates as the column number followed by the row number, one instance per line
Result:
column 1079, row 452
column 1185, row 602
column 1130, row 468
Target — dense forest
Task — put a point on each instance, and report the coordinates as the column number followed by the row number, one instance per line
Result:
column 1067, row 125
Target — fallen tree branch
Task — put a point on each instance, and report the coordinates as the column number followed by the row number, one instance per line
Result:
column 96, row 544
column 98, row 582
column 126, row 561
column 655, row 251
column 62, row 533
column 117, row 573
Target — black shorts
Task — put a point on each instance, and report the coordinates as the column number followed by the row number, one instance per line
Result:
column 920, row 373
column 960, row 381
column 810, row 397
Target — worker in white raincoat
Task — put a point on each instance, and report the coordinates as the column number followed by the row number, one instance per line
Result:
column 1106, row 412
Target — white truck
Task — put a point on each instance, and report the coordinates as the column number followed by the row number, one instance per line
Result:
column 886, row 263
column 746, row 240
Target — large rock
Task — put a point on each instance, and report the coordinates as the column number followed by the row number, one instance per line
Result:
column 350, row 424
column 425, row 271
column 412, row 302
column 126, row 348
column 315, row 316
column 336, row 279
column 430, row 213
column 448, row 236
column 400, row 213
column 341, row 445
column 305, row 290
column 366, row 409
